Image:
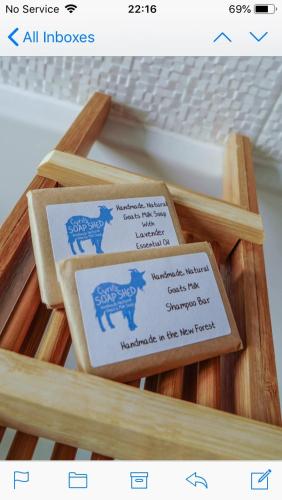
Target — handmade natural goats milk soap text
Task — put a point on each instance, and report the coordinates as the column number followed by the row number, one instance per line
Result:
column 94, row 220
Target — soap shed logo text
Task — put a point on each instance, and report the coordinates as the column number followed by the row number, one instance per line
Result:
column 32, row 9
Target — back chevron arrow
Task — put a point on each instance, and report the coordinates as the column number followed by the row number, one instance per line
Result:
column 194, row 480
column 11, row 37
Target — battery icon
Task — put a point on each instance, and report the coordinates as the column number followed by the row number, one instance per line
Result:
column 265, row 8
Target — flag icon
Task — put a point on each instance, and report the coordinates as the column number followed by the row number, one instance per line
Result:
column 20, row 477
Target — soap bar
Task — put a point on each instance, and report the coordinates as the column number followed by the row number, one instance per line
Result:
column 90, row 220
column 140, row 313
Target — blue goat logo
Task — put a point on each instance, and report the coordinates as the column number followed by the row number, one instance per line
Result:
column 110, row 298
column 81, row 228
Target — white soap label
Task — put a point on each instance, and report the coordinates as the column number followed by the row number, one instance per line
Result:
column 96, row 227
column 132, row 310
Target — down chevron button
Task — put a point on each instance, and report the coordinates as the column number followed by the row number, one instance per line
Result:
column 259, row 38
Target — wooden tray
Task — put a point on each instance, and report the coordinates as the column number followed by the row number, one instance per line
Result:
column 39, row 398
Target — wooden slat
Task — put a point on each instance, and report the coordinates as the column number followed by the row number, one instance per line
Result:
column 121, row 421
column 171, row 383
column 16, row 255
column 22, row 319
column 86, row 128
column 22, row 448
column 96, row 456
column 249, row 378
column 30, row 342
column 208, row 383
column 190, row 383
column 208, row 376
column 22, row 316
column 206, row 217
column 63, row 452
column 54, row 348
column 10, row 237
column 36, row 330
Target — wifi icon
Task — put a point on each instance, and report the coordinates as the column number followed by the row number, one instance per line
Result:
column 71, row 7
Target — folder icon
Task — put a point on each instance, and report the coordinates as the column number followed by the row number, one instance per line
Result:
column 77, row 480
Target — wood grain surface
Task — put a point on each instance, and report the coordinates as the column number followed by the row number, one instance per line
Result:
column 249, row 381
column 54, row 347
column 16, row 255
column 123, row 422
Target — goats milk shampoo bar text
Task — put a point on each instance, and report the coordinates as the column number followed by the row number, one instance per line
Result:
column 137, row 314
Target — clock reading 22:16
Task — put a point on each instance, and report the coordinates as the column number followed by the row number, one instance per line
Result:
column 142, row 9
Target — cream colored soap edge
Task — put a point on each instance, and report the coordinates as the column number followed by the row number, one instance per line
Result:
column 142, row 366
column 39, row 199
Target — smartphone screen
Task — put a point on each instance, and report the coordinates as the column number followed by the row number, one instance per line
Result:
column 140, row 249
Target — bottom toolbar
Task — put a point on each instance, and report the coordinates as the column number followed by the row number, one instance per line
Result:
column 122, row 479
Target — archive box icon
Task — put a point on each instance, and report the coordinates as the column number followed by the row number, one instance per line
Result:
column 139, row 480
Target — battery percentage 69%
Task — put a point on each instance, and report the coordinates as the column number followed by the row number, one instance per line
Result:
column 240, row 9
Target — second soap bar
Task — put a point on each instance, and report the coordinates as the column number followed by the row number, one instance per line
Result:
column 135, row 314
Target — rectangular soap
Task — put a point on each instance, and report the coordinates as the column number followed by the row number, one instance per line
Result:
column 93, row 220
column 140, row 313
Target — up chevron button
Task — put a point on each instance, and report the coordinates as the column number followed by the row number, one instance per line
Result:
column 258, row 38
column 222, row 34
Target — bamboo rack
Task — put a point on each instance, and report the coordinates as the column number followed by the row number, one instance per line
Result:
column 33, row 391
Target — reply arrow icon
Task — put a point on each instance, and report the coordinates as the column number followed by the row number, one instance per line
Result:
column 194, row 479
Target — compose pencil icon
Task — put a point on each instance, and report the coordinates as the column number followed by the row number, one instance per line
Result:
column 264, row 476
column 259, row 480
